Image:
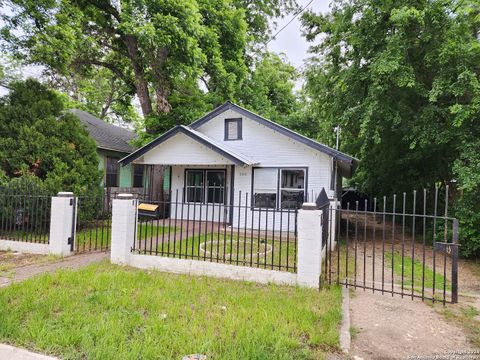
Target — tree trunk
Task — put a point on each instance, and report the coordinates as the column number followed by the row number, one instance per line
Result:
column 162, row 88
column 140, row 84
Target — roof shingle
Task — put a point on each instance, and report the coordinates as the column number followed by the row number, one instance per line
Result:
column 107, row 136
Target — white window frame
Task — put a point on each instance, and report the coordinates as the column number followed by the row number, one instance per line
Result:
column 279, row 187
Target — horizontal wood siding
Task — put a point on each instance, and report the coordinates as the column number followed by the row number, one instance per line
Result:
column 271, row 148
column 180, row 150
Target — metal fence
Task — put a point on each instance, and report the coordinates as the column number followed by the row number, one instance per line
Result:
column 94, row 222
column 401, row 246
column 25, row 213
column 237, row 234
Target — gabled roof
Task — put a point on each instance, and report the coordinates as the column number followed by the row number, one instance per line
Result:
column 349, row 162
column 216, row 146
column 107, row 136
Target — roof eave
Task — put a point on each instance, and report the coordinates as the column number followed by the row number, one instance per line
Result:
column 136, row 154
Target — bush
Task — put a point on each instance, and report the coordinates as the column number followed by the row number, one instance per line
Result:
column 40, row 138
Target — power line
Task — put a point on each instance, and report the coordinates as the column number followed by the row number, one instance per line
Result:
column 288, row 23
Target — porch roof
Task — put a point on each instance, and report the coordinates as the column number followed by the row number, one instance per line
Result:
column 221, row 149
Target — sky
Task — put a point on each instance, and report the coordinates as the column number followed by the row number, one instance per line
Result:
column 290, row 41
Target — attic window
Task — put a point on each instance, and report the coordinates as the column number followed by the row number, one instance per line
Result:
column 233, row 129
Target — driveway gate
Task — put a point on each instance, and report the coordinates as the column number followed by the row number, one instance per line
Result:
column 395, row 246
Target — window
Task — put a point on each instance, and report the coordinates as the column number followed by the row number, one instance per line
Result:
column 265, row 182
column 292, row 188
column 112, row 172
column 138, row 175
column 205, row 186
column 278, row 188
column 233, row 129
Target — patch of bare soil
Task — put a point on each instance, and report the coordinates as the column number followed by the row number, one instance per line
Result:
column 24, row 266
column 9, row 260
column 394, row 328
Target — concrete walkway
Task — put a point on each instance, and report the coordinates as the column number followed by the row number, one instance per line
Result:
column 13, row 353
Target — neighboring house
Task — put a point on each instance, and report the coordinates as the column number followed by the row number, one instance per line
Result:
column 114, row 143
column 232, row 152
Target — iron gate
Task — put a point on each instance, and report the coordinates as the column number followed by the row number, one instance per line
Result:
column 394, row 246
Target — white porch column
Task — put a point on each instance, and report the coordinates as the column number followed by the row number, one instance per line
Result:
column 124, row 219
column 309, row 246
column 62, row 223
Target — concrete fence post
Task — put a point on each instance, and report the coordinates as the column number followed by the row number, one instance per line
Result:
column 124, row 219
column 62, row 223
column 309, row 246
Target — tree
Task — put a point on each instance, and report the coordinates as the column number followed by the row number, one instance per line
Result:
column 39, row 138
column 153, row 47
column 269, row 88
column 99, row 92
column 402, row 79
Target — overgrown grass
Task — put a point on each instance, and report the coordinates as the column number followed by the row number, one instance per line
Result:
column 466, row 317
column 417, row 273
column 241, row 250
column 109, row 312
column 98, row 235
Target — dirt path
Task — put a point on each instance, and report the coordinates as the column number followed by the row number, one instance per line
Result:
column 22, row 272
column 395, row 328
column 387, row 327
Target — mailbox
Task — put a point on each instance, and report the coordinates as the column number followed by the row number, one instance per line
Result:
column 150, row 210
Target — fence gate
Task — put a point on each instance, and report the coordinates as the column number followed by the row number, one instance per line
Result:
column 93, row 225
column 397, row 246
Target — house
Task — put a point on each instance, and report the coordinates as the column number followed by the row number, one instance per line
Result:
column 233, row 156
column 113, row 143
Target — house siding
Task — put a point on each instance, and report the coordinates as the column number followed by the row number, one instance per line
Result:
column 271, row 148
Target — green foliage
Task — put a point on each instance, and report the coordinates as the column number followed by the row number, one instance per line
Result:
column 269, row 89
column 102, row 54
column 38, row 137
column 402, row 79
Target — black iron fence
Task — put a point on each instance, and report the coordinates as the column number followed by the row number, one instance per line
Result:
column 207, row 228
column 94, row 222
column 25, row 212
column 405, row 246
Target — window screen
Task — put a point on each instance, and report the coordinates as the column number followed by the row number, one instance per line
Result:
column 112, row 172
column 194, row 186
column 205, row 186
column 233, row 129
column 292, row 188
column 138, row 175
column 215, row 186
column 265, row 181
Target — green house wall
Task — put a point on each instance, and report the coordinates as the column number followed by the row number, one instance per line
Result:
column 126, row 178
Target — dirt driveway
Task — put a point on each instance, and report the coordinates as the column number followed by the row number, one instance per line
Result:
column 386, row 327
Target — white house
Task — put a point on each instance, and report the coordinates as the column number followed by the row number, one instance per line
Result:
column 233, row 156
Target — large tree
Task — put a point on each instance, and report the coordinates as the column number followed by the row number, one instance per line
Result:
column 154, row 47
column 403, row 81
column 38, row 137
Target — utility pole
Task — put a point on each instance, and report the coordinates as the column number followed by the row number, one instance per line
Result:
column 337, row 130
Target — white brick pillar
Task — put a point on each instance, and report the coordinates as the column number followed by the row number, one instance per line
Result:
column 309, row 245
column 124, row 219
column 62, row 223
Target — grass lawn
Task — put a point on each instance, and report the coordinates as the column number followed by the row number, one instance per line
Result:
column 98, row 235
column 109, row 312
column 236, row 249
column 417, row 273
